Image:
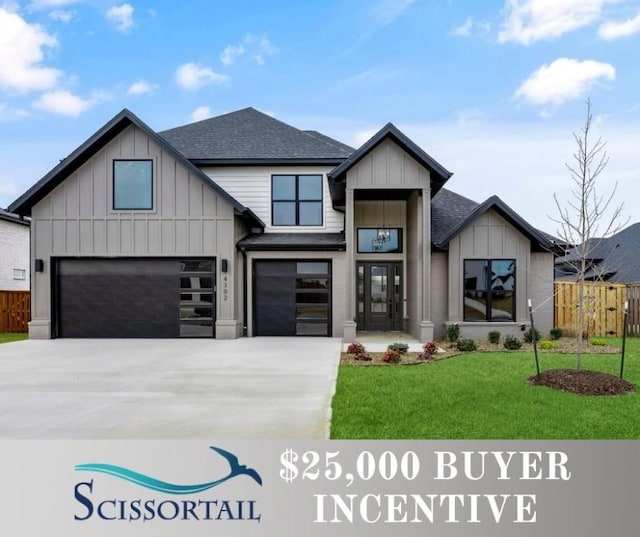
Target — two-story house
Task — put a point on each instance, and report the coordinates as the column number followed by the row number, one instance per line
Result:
column 14, row 252
column 244, row 225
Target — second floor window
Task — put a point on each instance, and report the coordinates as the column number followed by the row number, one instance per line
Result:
column 132, row 185
column 296, row 200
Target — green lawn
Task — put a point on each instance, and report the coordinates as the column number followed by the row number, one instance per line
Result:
column 8, row 338
column 482, row 395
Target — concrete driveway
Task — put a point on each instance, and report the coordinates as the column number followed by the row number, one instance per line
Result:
column 107, row 389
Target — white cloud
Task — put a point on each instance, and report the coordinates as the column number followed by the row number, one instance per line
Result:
column 201, row 113
column 21, row 54
column 563, row 80
column 61, row 15
column 230, row 53
column 121, row 16
column 528, row 21
column 37, row 5
column 614, row 30
column 386, row 11
column 260, row 47
column 464, row 29
column 141, row 87
column 193, row 76
column 63, row 103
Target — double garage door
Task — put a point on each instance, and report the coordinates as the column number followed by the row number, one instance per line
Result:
column 292, row 298
column 126, row 298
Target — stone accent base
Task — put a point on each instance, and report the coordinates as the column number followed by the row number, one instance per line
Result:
column 426, row 331
column 228, row 329
column 40, row 330
column 349, row 334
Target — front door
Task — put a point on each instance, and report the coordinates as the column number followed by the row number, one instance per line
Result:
column 379, row 296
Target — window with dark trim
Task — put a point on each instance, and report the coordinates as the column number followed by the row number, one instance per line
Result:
column 489, row 289
column 296, row 200
column 132, row 185
column 380, row 240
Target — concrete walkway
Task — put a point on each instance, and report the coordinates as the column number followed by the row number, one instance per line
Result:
column 379, row 341
column 199, row 388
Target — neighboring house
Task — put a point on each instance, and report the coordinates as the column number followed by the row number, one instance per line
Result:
column 243, row 225
column 14, row 252
column 611, row 259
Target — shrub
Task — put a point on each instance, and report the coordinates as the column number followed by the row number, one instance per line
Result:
column 548, row 345
column 494, row 337
column 512, row 343
column 453, row 332
column 402, row 348
column 429, row 351
column 355, row 348
column 391, row 357
column 466, row 345
column 556, row 333
column 363, row 357
column 598, row 342
column 530, row 335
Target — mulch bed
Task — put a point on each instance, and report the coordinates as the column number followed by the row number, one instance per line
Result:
column 582, row 382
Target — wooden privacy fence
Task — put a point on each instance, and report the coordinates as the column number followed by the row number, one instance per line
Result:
column 14, row 311
column 603, row 311
column 633, row 321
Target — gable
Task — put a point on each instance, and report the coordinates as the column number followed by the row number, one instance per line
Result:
column 490, row 236
column 538, row 241
column 78, row 215
column 110, row 131
column 388, row 166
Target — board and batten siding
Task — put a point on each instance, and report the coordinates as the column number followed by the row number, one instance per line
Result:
column 251, row 186
column 489, row 237
column 76, row 219
column 388, row 166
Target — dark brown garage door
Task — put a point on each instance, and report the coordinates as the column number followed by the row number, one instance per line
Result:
column 292, row 298
column 142, row 298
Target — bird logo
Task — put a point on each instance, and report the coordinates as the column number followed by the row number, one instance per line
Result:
column 235, row 469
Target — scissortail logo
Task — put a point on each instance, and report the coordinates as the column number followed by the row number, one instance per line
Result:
column 141, row 509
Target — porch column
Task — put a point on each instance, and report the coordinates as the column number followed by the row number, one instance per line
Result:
column 426, row 325
column 350, row 320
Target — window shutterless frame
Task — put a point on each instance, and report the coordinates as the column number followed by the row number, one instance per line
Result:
column 366, row 236
column 489, row 290
column 290, row 202
column 133, row 184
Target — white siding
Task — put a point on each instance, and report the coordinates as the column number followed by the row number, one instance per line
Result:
column 14, row 254
column 251, row 186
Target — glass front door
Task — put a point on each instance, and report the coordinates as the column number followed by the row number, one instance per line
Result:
column 379, row 300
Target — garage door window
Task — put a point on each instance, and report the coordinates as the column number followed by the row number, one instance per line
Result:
column 312, row 298
column 196, row 298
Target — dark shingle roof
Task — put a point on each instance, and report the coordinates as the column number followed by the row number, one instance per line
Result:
column 294, row 241
column 248, row 134
column 614, row 259
column 448, row 209
column 452, row 225
column 15, row 218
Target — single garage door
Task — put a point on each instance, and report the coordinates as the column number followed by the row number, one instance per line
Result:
column 143, row 298
column 292, row 298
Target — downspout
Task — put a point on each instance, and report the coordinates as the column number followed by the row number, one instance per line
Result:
column 245, row 315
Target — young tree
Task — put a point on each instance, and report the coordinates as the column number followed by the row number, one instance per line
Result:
column 587, row 217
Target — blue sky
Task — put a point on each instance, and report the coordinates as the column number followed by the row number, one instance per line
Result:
column 493, row 90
